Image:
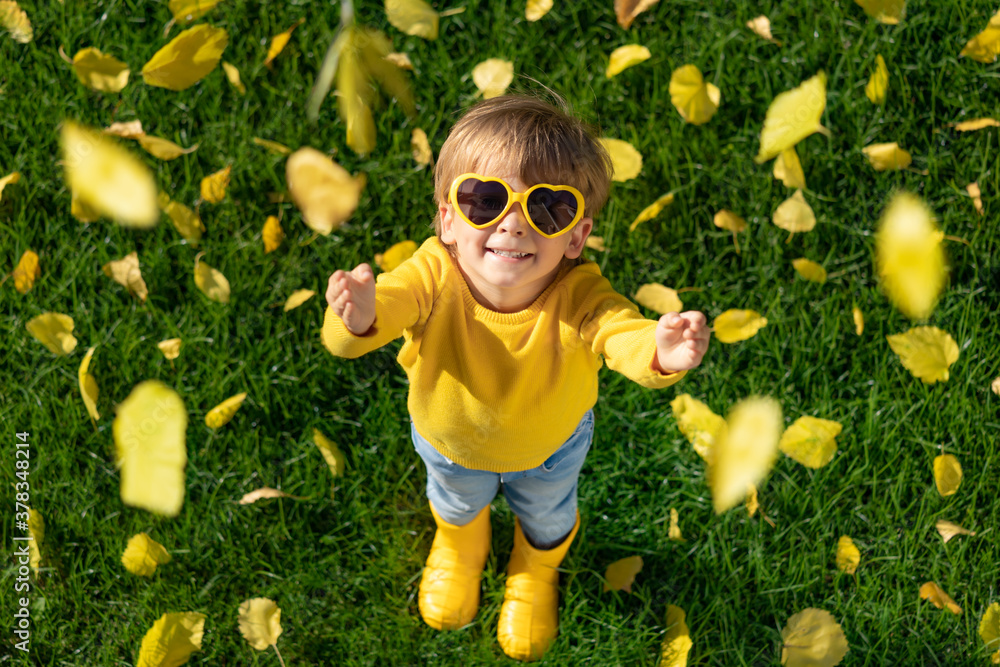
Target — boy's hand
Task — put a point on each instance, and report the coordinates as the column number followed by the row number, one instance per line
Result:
column 681, row 341
column 351, row 294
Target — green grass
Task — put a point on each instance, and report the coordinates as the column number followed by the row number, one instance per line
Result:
column 344, row 567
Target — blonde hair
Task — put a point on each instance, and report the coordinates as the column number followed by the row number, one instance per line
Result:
column 540, row 142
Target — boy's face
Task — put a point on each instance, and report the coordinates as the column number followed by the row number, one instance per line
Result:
column 508, row 284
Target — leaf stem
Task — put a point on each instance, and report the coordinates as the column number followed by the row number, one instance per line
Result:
column 279, row 655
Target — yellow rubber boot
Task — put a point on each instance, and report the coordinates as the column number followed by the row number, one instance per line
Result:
column 529, row 616
column 449, row 588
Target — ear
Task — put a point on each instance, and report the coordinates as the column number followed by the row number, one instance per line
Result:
column 447, row 221
column 578, row 238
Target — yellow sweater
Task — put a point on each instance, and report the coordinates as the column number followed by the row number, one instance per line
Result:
column 501, row 391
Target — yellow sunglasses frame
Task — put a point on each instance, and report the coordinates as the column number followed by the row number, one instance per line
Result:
column 513, row 198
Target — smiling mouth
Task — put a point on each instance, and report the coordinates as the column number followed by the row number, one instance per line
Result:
column 509, row 254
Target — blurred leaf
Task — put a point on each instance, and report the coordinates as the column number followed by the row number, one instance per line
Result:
column 98, row 71
column 745, row 451
column 909, row 256
column 624, row 57
column 989, row 630
column 297, row 298
column 493, row 76
column 813, row 638
column 172, row 640
column 36, row 530
column 627, row 10
column 15, row 20
column 130, row 130
column 931, row 591
column 163, row 149
column 885, row 11
column 272, row 234
column 883, row 157
column 652, row 210
column 948, row 530
column 9, row 179
column 54, row 331
column 848, row 556
column 620, row 574
column 985, row 47
column 659, row 298
column 792, row 116
column 626, row 161
column 761, row 25
column 811, row 441
column 26, row 272
column 977, row 197
column 126, row 272
column 210, row 281
column 421, row 148
column 222, row 413
column 947, row 474
column 751, row 500
column 185, row 220
column 213, row 186
column 674, row 530
column 265, row 492
column 331, row 453
column 536, row 9
column 233, row 74
column 859, row 320
column 878, row 82
column 171, row 348
column 396, row 255
column 400, row 60
column 596, row 243
column 143, row 554
column 735, row 325
column 698, row 423
column 976, row 124
column 414, row 17
column 809, row 270
column 323, row 190
column 677, row 640
column 788, row 169
column 794, row 215
column 927, row 352
column 695, row 99
column 187, row 58
column 189, row 10
column 273, row 146
column 279, row 41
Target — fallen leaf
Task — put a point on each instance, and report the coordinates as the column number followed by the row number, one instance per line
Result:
column 995, row 386
column 213, row 186
column 976, row 124
column 396, row 255
column 126, row 272
column 948, row 530
column 977, row 197
column 297, row 298
column 627, row 10
column 989, row 630
column 149, row 432
column 695, row 99
column 421, row 148
column 211, row 282
column 222, row 413
column 9, row 179
column 885, row 11
column 187, row 58
column 674, row 530
column 626, row 161
column 185, row 220
column 36, row 530
column 745, row 450
column 751, row 500
column 414, row 17
column 142, row 555
column 54, row 331
column 792, row 116
column 400, row 60
column 260, row 622
column 171, row 348
column 233, row 75
column 189, row 10
column 735, row 325
column 947, row 474
column 697, row 423
column 927, row 352
column 811, row 441
column 761, row 26
column 931, row 591
column 273, row 146
column 493, row 76
column 788, row 169
column 172, row 640
column 323, row 190
column 812, row 638
column 620, row 574
column 15, row 20
column 26, row 272
column 596, row 243
column 279, row 41
column 677, row 640
column 624, row 57
column 272, row 234
column 794, row 215
column 726, row 219
column 99, row 71
column 878, row 82
column 536, row 9
column 162, row 148
column 331, row 453
column 265, row 492
column 883, row 157
column 652, row 210
column 859, row 320
column 129, row 130
column 809, row 270
column 88, row 385
column 985, row 47
column 659, row 298
column 909, row 256
column 848, row 556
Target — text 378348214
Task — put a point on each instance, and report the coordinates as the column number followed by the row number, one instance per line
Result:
column 22, row 583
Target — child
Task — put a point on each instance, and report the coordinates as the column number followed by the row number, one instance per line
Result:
column 504, row 326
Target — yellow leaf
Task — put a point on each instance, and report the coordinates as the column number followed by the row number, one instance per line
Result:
column 885, row 11
column 54, row 331
column 977, row 197
column 735, row 325
column 81, row 210
column 848, row 556
column 414, row 17
column 9, row 179
column 125, row 272
column 995, row 386
column 171, row 348
column 185, row 220
column 927, row 352
column 627, row 10
column 809, row 270
column 949, row 530
column 213, row 186
column 659, row 298
column 26, row 272
column 859, row 320
column 624, row 57
column 149, row 431
column 931, row 591
column 698, row 423
column 107, row 178
column 331, row 453
column 493, row 76
column 211, row 282
column 279, row 41
column 751, row 500
column 947, row 474
column 596, row 243
column 620, row 574
column 265, row 492
column 88, row 385
column 883, row 157
column 976, row 124
column 189, row 10
column 323, row 190
column 762, row 27
column 909, row 256
column 187, row 58
column 36, row 530
column 220, row 415
column 274, row 146
column 878, row 82
column 745, row 451
column 726, row 219
column 677, row 640
column 396, row 255
column 674, row 530
column 652, row 210
column 794, row 214
column 101, row 72
column 811, row 441
column 695, row 100
column 989, row 630
column 272, row 234
column 985, row 47
column 260, row 622
column 233, row 74
column 812, row 638
column 172, row 640
column 793, row 116
column 401, row 60
column 788, row 169
column 130, row 130
column 143, row 554
column 536, row 9
column 162, row 148
column 626, row 161
column 421, row 148
column 298, row 298
column 13, row 18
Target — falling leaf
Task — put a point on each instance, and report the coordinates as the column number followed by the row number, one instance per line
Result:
column 624, row 57
column 735, row 325
column 809, row 270
column 81, row 210
column 162, row 148
column 189, row 10
column 149, row 433
column 260, row 622
column 927, row 352
column 396, row 255
column 793, row 116
column 107, row 178
column 677, row 640
column 54, row 331
column 536, row 9
column 909, row 256
column 949, row 530
column 698, row 423
column 172, row 640
column 143, row 554
column 13, row 18
column 627, row 10
column 233, row 74
column 626, row 161
column 272, row 234
column 652, row 210
column 88, row 385
column 620, row 574
column 788, row 169
column 265, row 492
column 883, row 157
column 9, row 179
column 878, row 82
column 659, row 298
column 989, row 630
column 947, row 474
column 400, row 60
column 745, row 451
column 977, row 197
column 279, row 41
column 185, row 220
column 674, row 530
column 171, row 348
column 794, row 215
column 811, row 441
column 26, row 272
column 848, row 556
column 213, row 186
column 98, row 71
column 596, row 243
column 859, row 320
column 421, row 148
column 885, row 11
column 274, row 146
column 211, row 282
column 298, row 298
column 751, row 500
column 985, row 47
column 414, row 17
column 129, row 130
column 125, row 272
column 220, row 415
column 695, row 99
column 812, row 638
column 762, row 27
column 36, row 530
column 334, row 457
column 187, row 58
column 323, row 190
column 493, row 76
column 931, row 591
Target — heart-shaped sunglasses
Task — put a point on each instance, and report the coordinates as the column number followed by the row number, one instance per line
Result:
column 551, row 210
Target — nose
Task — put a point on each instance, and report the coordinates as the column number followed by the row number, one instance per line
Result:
column 514, row 222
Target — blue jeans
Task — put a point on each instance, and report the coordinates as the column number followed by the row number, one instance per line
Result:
column 543, row 498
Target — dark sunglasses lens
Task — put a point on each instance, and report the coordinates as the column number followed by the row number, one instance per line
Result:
column 551, row 210
column 481, row 201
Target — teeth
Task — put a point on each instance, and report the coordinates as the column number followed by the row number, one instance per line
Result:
column 506, row 253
